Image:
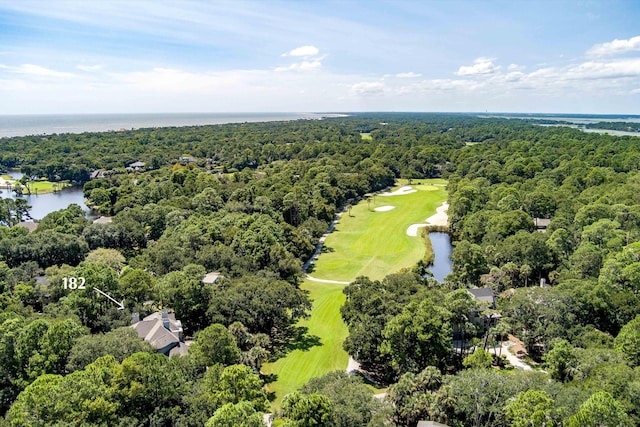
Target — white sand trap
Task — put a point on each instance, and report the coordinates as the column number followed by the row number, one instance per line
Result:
column 413, row 229
column 400, row 191
column 384, row 208
column 439, row 218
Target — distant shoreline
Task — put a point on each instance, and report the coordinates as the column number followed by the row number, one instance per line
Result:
column 49, row 124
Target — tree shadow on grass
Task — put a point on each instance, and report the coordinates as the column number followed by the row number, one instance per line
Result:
column 297, row 339
column 301, row 340
column 326, row 249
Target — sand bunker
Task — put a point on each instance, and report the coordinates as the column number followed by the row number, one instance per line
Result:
column 413, row 229
column 400, row 191
column 384, row 208
column 439, row 218
column 5, row 182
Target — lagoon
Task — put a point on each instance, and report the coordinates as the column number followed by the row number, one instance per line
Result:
column 442, row 250
column 44, row 204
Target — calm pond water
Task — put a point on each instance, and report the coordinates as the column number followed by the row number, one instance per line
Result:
column 442, row 250
column 43, row 204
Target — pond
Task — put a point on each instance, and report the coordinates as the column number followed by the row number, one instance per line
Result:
column 442, row 250
column 43, row 204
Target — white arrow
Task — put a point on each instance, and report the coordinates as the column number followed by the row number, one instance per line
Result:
column 120, row 304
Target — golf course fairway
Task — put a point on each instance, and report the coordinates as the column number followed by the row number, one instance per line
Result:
column 375, row 243
column 325, row 323
column 365, row 242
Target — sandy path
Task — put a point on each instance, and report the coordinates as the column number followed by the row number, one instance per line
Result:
column 318, row 250
column 439, row 218
column 352, row 365
column 512, row 358
column 314, row 279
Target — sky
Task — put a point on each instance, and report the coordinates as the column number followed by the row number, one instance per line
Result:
column 104, row 56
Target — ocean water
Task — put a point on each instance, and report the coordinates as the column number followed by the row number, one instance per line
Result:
column 21, row 125
column 578, row 119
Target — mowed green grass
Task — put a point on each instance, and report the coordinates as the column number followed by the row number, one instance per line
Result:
column 367, row 243
column 375, row 244
column 44, row 187
column 299, row 366
column 39, row 187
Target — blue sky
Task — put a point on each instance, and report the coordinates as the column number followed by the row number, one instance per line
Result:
column 100, row 56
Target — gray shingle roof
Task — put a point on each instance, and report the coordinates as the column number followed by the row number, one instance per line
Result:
column 483, row 294
column 153, row 330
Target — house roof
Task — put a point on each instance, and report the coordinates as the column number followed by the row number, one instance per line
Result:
column 153, row 330
column 541, row 222
column 430, row 424
column 211, row 277
column 137, row 165
column 482, row 294
column 98, row 173
column 103, row 220
column 29, row 225
column 42, row 280
column 181, row 349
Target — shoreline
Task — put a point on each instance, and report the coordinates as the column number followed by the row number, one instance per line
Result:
column 42, row 125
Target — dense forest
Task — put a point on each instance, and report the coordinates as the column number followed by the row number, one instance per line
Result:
column 250, row 201
column 624, row 126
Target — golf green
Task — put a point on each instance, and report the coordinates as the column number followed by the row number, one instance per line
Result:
column 365, row 242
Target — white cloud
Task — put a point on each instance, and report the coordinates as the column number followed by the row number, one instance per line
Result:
column 310, row 59
column 171, row 80
column 615, row 47
column 514, row 76
column 89, row 68
column 605, row 70
column 303, row 51
column 368, row 89
column 480, row 66
column 449, row 85
column 409, row 75
column 305, row 84
column 302, row 66
column 36, row 71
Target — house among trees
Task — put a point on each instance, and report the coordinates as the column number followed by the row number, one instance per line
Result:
column 98, row 174
column 211, row 278
column 483, row 317
column 163, row 331
column 29, row 225
column 430, row 424
column 541, row 224
column 103, row 220
column 136, row 167
column 485, row 296
column 187, row 159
